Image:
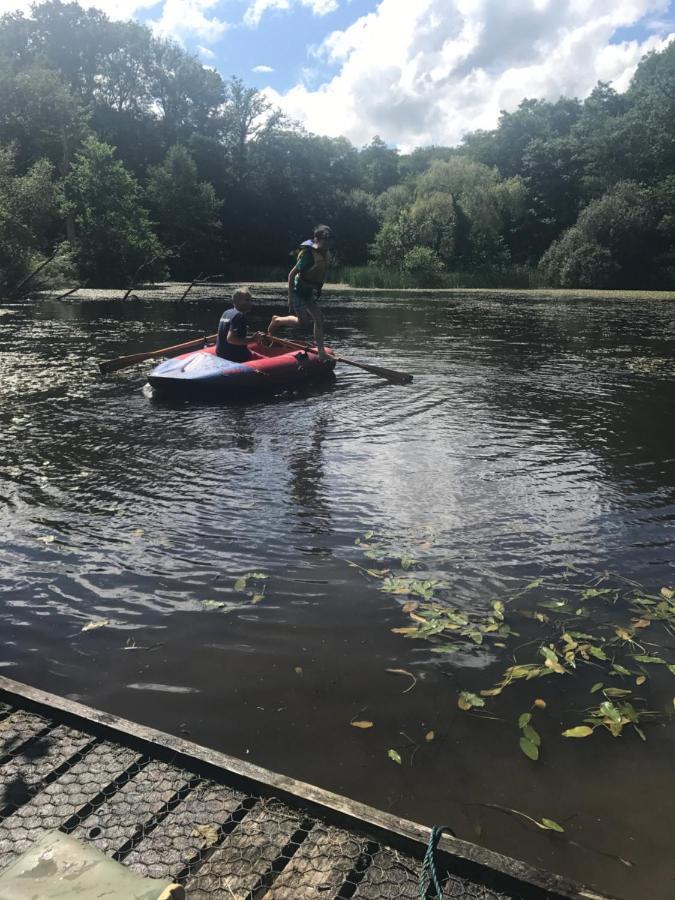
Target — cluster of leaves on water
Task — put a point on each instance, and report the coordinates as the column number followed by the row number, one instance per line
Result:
column 251, row 586
column 603, row 622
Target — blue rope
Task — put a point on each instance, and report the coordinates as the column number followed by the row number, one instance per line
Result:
column 428, row 873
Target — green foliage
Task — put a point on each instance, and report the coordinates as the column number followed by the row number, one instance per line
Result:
column 115, row 237
column 185, row 210
column 28, row 205
column 619, row 240
column 424, row 264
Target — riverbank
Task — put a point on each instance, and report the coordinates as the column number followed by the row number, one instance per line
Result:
column 175, row 290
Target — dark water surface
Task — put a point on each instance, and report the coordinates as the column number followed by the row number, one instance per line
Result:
column 537, row 435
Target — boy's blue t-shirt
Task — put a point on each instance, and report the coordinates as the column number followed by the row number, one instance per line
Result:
column 232, row 320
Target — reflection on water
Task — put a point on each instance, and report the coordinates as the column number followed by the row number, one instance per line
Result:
column 536, row 436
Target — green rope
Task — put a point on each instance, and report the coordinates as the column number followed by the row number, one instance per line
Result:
column 428, row 873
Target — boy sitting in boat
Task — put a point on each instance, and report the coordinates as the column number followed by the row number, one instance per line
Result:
column 232, row 341
column 305, row 281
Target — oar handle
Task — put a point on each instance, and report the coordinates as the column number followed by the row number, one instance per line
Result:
column 123, row 361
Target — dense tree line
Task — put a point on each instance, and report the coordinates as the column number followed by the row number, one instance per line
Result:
column 122, row 157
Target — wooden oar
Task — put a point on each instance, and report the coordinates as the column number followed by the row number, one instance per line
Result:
column 123, row 361
column 389, row 374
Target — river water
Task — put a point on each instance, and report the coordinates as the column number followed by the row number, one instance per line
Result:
column 536, row 442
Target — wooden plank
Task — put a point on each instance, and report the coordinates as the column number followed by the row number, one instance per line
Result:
column 17, row 728
column 21, row 775
column 170, row 846
column 62, row 798
column 390, row 876
column 320, row 866
column 111, row 825
column 349, row 813
column 246, row 854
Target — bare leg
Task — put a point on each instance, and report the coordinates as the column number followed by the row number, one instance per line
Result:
column 315, row 312
column 281, row 321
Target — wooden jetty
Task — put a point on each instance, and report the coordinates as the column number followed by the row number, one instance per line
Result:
column 222, row 827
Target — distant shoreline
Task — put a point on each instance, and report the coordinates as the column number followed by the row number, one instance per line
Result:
column 173, row 290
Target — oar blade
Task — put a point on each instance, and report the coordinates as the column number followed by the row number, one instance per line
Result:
column 389, row 374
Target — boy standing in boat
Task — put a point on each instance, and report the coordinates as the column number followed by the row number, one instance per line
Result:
column 231, row 342
column 305, row 282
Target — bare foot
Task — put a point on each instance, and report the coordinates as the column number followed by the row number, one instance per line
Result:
column 272, row 327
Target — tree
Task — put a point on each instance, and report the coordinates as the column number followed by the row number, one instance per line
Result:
column 114, row 234
column 623, row 239
column 379, row 166
column 28, row 207
column 186, row 213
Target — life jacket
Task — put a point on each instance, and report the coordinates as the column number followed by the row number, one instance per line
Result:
column 316, row 274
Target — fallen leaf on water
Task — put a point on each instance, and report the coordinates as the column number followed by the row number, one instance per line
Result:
column 641, row 623
column 539, row 703
column 668, row 593
column 529, row 749
column 410, row 606
column 91, row 625
column 256, row 598
column 362, row 723
column 640, row 679
column 404, row 672
column 429, row 736
column 468, row 700
column 581, row 731
column 553, row 826
column 209, row 834
column 392, row 754
column 47, row 539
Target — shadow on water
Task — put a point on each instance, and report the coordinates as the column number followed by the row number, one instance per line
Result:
column 533, row 439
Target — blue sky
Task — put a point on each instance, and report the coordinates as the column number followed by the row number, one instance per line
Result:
column 413, row 71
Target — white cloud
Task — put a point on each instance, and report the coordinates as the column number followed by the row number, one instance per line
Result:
column 262, row 69
column 206, row 53
column 115, row 9
column 430, row 71
column 181, row 18
column 258, row 8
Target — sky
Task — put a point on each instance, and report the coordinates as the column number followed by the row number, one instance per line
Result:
column 414, row 72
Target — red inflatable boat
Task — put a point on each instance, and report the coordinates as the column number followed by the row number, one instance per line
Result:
column 272, row 367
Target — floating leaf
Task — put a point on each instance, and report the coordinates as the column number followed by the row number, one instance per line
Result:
column 640, row 679
column 671, row 669
column 213, row 604
column 523, row 719
column 240, row 583
column 641, row 623
column 256, row 598
column 610, row 711
column 362, row 723
column 595, row 592
column 539, row 703
column 553, row 826
column 616, row 692
column 404, row 672
column 392, row 754
column 429, row 736
column 668, row 593
column 47, row 538
column 621, row 670
column 597, row 652
column 468, row 700
column 532, row 735
column 580, row 731
column 623, row 634
column 529, row 749
column 209, row 834
column 649, row 659
column 597, row 686
column 407, row 562
column 90, row 626
column 534, row 584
